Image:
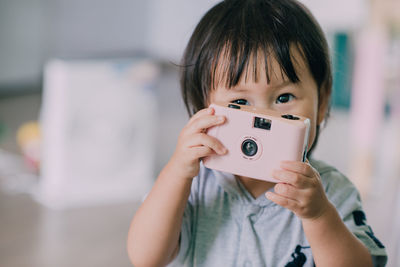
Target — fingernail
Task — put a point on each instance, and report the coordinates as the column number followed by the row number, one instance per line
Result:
column 223, row 150
column 221, row 118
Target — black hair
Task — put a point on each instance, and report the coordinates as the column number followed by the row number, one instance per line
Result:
column 237, row 31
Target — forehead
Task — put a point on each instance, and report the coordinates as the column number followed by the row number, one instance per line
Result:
column 259, row 65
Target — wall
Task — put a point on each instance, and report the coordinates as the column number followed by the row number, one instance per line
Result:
column 32, row 31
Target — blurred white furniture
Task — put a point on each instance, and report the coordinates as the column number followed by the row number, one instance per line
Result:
column 98, row 120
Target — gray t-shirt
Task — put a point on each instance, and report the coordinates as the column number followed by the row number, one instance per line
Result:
column 223, row 225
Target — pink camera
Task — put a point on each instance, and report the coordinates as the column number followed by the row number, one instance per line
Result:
column 257, row 140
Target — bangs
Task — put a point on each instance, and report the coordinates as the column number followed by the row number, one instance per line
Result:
column 230, row 68
column 247, row 37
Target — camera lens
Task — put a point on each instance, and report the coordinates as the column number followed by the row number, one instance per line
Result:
column 249, row 147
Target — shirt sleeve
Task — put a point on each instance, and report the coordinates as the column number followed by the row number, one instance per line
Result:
column 343, row 194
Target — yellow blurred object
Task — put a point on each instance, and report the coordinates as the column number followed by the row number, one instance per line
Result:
column 28, row 139
column 27, row 132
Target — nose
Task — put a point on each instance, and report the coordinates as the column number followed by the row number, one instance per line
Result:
column 264, row 105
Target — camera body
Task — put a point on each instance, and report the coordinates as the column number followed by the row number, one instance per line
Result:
column 257, row 140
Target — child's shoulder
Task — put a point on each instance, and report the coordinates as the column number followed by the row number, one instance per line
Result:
column 332, row 178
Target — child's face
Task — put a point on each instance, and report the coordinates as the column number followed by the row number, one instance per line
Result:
column 279, row 94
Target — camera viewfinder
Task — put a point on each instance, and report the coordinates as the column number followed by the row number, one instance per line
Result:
column 262, row 123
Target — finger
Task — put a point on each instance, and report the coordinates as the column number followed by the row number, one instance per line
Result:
column 287, row 191
column 298, row 167
column 202, row 151
column 201, row 124
column 202, row 112
column 203, row 139
column 289, row 177
column 282, row 201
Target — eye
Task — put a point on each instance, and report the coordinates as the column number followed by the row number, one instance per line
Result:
column 240, row 102
column 284, row 98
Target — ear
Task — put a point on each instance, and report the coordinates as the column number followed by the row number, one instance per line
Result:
column 323, row 106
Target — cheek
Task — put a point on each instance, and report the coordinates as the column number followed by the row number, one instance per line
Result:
column 214, row 96
column 312, row 113
column 311, row 138
column 313, row 116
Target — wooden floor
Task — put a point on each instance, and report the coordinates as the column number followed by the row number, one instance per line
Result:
column 33, row 236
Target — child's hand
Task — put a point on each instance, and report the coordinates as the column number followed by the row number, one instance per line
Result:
column 300, row 190
column 194, row 144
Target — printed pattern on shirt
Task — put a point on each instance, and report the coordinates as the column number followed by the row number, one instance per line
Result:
column 299, row 258
column 359, row 220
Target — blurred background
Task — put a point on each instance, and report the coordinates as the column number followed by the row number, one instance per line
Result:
column 90, row 111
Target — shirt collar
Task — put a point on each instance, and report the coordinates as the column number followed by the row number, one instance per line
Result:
column 236, row 189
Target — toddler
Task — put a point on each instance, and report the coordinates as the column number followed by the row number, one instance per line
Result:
column 269, row 54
